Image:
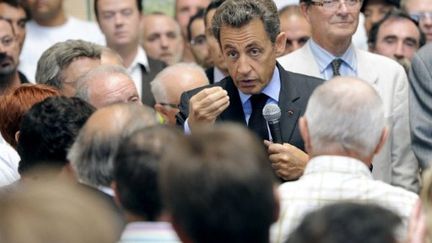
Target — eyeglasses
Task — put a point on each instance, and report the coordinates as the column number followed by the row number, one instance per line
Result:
column 334, row 4
column 199, row 40
column 421, row 16
column 174, row 106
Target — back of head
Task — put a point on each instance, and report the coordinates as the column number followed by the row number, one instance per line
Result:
column 106, row 85
column 179, row 77
column 15, row 104
column 55, row 212
column 93, row 152
column 136, row 170
column 217, row 184
column 347, row 222
column 48, row 130
column 345, row 114
column 238, row 13
column 56, row 58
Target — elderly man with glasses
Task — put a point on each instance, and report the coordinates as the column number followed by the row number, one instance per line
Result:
column 420, row 11
column 330, row 52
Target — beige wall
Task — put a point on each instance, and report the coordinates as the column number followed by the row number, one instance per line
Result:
column 83, row 9
column 79, row 8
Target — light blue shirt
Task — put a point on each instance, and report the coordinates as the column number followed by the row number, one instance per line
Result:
column 324, row 59
column 272, row 90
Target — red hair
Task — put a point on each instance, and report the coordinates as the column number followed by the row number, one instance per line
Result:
column 16, row 103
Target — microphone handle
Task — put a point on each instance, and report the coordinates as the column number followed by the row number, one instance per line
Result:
column 275, row 131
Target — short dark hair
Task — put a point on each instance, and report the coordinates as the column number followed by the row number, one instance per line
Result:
column 217, row 185
column 136, row 170
column 18, row 4
column 347, row 222
column 95, row 4
column 393, row 14
column 48, row 130
column 198, row 15
column 238, row 13
column 213, row 5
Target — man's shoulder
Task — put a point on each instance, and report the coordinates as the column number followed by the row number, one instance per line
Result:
column 380, row 62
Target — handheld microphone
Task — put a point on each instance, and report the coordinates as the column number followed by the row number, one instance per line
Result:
column 272, row 114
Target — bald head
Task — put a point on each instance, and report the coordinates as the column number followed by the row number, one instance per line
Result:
column 169, row 84
column 106, row 85
column 344, row 116
column 96, row 145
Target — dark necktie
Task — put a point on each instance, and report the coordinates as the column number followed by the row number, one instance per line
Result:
column 336, row 63
column 256, row 121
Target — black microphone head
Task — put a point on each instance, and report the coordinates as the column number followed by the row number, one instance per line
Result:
column 271, row 112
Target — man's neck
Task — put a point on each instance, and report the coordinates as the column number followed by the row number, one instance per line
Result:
column 9, row 82
column 338, row 151
column 335, row 47
column 128, row 53
column 58, row 20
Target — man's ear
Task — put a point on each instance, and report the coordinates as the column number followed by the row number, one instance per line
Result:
column 280, row 43
column 382, row 140
column 161, row 110
column 17, row 134
column 304, row 132
column 116, row 193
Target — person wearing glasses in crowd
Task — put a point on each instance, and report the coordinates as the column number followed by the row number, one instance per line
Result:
column 420, row 11
column 198, row 41
column 330, row 52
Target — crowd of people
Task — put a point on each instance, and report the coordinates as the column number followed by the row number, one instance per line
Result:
column 259, row 121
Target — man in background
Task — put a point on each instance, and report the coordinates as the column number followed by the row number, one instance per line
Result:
column 396, row 36
column 120, row 23
column 184, row 10
column 296, row 28
column 49, row 25
column 198, row 41
column 161, row 38
column 420, row 11
column 169, row 84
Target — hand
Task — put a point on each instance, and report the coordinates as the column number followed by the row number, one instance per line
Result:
column 417, row 225
column 207, row 105
column 287, row 160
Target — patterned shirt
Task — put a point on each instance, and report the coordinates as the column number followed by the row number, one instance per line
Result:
column 330, row 179
column 149, row 232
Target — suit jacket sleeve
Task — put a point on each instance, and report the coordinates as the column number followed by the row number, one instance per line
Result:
column 420, row 99
column 404, row 164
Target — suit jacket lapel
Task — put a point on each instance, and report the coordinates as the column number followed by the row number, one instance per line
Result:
column 287, row 103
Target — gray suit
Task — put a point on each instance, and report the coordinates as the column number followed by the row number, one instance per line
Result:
column 396, row 163
column 420, row 98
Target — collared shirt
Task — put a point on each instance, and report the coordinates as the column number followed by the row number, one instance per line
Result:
column 330, row 179
column 149, row 232
column 324, row 59
column 134, row 69
column 272, row 90
column 218, row 75
column 9, row 160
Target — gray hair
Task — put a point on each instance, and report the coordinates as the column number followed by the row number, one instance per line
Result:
column 238, row 13
column 94, row 150
column 56, row 58
column 345, row 113
column 158, row 85
column 83, row 83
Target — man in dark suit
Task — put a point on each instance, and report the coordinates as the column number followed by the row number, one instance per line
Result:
column 249, row 36
column 120, row 23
